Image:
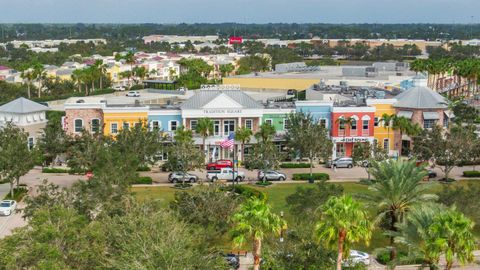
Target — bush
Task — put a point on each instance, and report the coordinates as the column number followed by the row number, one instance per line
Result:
column 142, row 180
column 182, row 185
column 448, row 180
column 18, row 193
column 365, row 181
column 315, row 176
column 136, row 87
column 246, row 191
column 471, row 173
column 55, row 170
column 295, row 165
column 143, row 169
column 263, row 184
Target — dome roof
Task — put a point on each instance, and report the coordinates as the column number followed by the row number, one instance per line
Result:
column 421, row 97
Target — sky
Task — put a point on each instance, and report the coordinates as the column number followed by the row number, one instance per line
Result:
column 240, row 11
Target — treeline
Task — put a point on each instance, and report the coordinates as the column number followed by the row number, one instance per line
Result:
column 274, row 30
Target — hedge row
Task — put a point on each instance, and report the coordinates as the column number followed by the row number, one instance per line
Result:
column 471, row 173
column 142, row 180
column 55, row 170
column 246, row 191
column 143, row 169
column 315, row 176
column 295, row 165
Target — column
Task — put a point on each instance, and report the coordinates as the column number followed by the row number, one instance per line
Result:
column 239, row 153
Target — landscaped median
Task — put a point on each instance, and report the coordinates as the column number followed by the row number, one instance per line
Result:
column 471, row 174
column 307, row 176
column 294, row 165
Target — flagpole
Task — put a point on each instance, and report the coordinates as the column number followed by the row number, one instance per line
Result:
column 233, row 169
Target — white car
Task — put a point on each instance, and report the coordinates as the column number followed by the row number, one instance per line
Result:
column 133, row 94
column 7, row 207
column 357, row 257
column 119, row 88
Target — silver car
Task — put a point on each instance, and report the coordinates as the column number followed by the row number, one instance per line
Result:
column 176, row 177
column 343, row 162
column 271, row 175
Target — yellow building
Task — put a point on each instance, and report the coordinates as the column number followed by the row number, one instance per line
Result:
column 119, row 117
column 281, row 84
column 113, row 73
column 383, row 135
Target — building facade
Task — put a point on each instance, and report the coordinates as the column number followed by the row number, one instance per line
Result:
column 383, row 132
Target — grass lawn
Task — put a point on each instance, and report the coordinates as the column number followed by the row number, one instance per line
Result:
column 277, row 193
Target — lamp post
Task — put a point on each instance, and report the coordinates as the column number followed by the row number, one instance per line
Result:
column 281, row 231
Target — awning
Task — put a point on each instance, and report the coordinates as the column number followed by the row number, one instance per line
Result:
column 449, row 114
column 406, row 114
column 431, row 115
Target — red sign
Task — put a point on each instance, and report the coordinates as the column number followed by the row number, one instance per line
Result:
column 235, row 40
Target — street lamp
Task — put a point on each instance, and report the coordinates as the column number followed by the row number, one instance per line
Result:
column 281, row 231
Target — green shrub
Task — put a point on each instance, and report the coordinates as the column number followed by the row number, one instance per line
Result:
column 448, row 180
column 142, row 180
column 295, row 165
column 136, row 87
column 263, row 184
column 55, row 170
column 182, row 185
column 143, row 169
column 18, row 193
column 365, row 181
column 471, row 173
column 315, row 176
column 246, row 191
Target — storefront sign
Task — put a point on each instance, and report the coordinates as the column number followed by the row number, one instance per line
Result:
column 222, row 111
column 353, row 139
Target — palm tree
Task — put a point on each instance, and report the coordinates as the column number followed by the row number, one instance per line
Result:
column 204, row 128
column 39, row 75
column 397, row 190
column 140, row 72
column 345, row 122
column 29, row 76
column 77, row 77
column 452, row 235
column 265, row 133
column 404, row 126
column 387, row 122
column 343, row 222
column 101, row 70
column 254, row 220
column 243, row 135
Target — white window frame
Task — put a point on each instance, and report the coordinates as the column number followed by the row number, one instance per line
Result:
column 354, row 127
column 376, row 121
column 229, row 131
column 170, row 125
column 387, row 140
column 269, row 120
column 191, row 124
column 251, row 123
column 91, row 125
column 75, row 125
column 159, row 126
column 285, row 124
column 30, row 146
column 363, row 124
column 217, row 123
column 116, row 128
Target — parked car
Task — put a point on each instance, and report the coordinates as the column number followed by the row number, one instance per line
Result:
column 219, row 164
column 176, row 177
column 271, row 175
column 432, row 174
column 133, row 94
column 343, row 162
column 7, row 207
column 119, row 88
column 357, row 257
column 226, row 174
column 232, row 260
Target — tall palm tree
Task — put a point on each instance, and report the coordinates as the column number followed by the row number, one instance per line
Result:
column 29, row 76
column 345, row 122
column 77, row 78
column 265, row 133
column 101, row 70
column 397, row 190
column 452, row 235
column 243, row 135
column 39, row 75
column 404, row 126
column 254, row 220
column 387, row 122
column 205, row 129
column 343, row 222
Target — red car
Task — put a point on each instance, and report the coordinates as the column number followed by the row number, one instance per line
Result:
column 219, row 164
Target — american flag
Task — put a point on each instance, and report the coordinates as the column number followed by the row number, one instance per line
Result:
column 228, row 142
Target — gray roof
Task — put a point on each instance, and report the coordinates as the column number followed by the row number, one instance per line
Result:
column 23, row 105
column 420, row 97
column 203, row 97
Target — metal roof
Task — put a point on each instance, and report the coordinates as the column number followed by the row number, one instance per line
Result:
column 23, row 105
column 420, row 97
column 203, row 97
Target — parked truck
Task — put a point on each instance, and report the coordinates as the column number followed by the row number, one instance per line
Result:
column 225, row 174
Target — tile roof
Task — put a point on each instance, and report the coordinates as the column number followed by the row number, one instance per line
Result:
column 23, row 105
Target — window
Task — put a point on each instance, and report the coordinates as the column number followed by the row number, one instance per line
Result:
column 285, row 123
column 95, row 125
column 269, row 122
column 228, row 126
column 249, row 124
column 193, row 124
column 155, row 125
column 216, row 128
column 30, row 143
column 138, row 124
column 78, row 125
column 353, row 124
column 445, row 122
column 341, row 125
column 428, row 123
column 173, row 125
column 126, row 125
column 386, row 144
column 376, row 121
column 365, row 124
column 323, row 123
column 114, row 128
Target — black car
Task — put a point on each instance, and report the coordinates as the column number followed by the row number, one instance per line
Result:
column 432, row 174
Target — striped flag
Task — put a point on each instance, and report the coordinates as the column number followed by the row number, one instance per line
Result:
column 228, row 142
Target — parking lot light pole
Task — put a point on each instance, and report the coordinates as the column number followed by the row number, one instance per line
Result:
column 281, row 231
